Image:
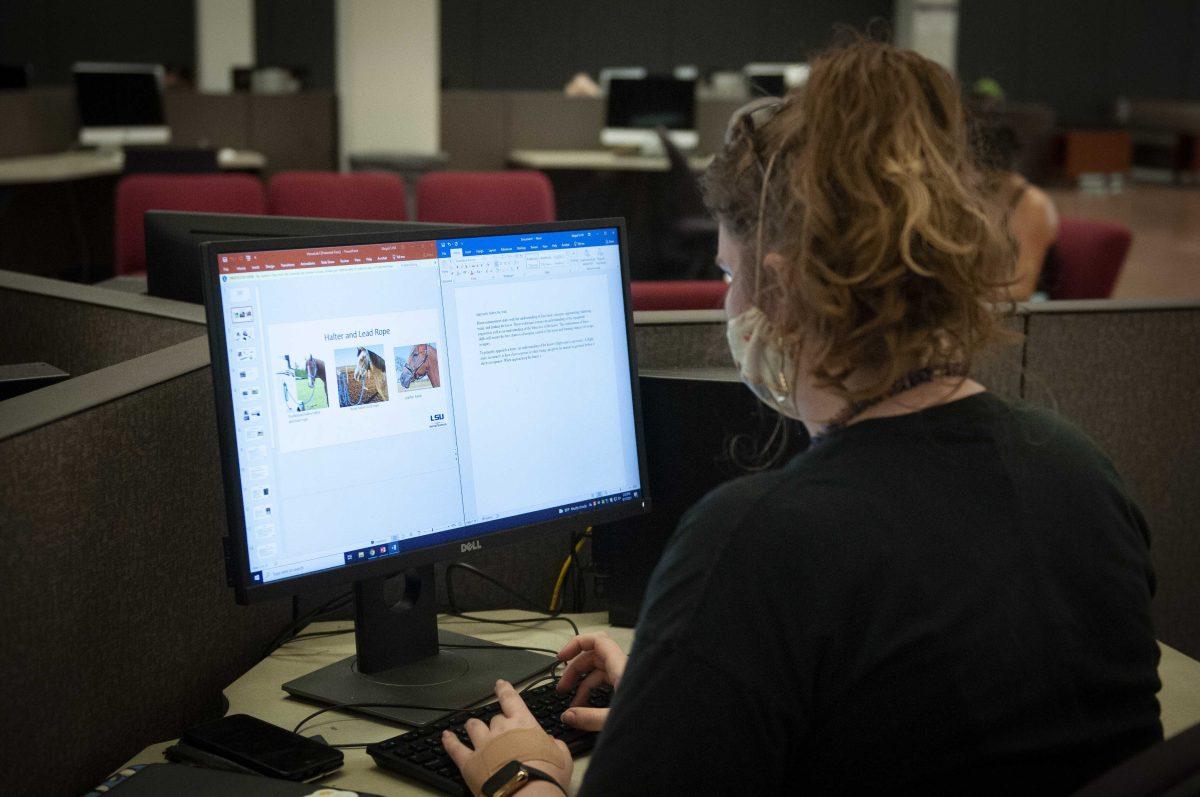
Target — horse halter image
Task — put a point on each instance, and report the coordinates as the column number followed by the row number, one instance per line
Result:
column 409, row 372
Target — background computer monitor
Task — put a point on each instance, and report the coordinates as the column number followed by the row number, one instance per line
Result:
column 635, row 108
column 388, row 400
column 174, row 262
column 774, row 80
column 120, row 104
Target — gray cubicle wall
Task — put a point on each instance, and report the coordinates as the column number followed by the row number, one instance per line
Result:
column 689, row 339
column 82, row 328
column 120, row 629
column 1129, row 375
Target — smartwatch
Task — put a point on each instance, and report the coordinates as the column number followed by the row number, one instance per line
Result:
column 511, row 778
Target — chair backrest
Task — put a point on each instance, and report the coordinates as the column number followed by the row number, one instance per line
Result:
column 373, row 196
column 1087, row 258
column 1169, row 768
column 205, row 193
column 678, row 294
column 512, row 197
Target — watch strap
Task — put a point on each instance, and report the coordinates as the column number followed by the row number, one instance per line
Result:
column 507, row 781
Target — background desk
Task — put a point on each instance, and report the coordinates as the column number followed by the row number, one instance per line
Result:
column 82, row 164
column 597, row 160
column 57, row 210
column 258, row 693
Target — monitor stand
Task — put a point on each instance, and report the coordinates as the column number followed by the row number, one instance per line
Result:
column 404, row 658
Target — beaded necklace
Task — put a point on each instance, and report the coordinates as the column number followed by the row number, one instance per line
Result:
column 902, row 385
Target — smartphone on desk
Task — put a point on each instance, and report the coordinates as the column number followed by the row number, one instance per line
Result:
column 264, row 747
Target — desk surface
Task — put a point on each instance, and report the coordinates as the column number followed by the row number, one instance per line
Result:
column 258, row 693
column 81, row 164
column 597, row 160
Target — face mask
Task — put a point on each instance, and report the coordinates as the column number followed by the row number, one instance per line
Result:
column 765, row 368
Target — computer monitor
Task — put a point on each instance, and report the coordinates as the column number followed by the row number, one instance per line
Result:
column 635, row 108
column 774, row 80
column 385, row 401
column 174, row 263
column 120, row 104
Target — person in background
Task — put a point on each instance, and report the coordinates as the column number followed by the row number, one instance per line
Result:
column 948, row 591
column 1026, row 210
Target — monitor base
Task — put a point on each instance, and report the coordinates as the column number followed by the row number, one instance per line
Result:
column 454, row 678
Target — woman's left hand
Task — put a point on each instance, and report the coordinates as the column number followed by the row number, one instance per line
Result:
column 481, row 763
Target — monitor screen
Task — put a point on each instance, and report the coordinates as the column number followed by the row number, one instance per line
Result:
column 767, row 85
column 420, row 391
column 652, row 102
column 119, row 95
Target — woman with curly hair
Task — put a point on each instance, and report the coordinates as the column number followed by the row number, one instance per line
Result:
column 948, row 591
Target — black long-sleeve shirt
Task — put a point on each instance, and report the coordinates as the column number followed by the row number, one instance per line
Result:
column 951, row 601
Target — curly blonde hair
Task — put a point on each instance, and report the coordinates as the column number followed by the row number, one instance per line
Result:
column 865, row 185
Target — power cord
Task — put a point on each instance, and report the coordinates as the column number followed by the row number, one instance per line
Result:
column 341, row 601
column 520, row 622
column 572, row 559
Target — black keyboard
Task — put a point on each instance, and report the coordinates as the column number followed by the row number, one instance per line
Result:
column 419, row 754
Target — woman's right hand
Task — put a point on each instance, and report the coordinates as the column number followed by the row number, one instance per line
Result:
column 593, row 659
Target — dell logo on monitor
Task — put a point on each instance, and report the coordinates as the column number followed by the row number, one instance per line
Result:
column 473, row 545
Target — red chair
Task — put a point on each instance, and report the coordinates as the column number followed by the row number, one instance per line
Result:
column 513, row 197
column 376, row 196
column 1087, row 258
column 204, row 193
column 678, row 294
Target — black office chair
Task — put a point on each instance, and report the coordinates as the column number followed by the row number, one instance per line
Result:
column 1170, row 768
column 688, row 245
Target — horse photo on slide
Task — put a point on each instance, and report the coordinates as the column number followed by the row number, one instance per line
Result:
column 417, row 366
column 361, row 375
column 302, row 383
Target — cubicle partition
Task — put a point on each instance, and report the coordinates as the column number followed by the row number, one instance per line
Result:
column 120, row 629
column 1128, row 373
column 82, row 328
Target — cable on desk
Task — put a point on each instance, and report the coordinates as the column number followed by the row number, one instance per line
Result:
column 313, row 634
column 520, row 622
column 290, row 630
column 454, row 610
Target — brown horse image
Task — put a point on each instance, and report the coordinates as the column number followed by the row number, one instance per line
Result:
column 371, row 372
column 422, row 361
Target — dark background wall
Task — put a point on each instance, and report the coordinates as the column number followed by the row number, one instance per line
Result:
column 53, row 34
column 287, row 33
column 1079, row 55
column 539, row 44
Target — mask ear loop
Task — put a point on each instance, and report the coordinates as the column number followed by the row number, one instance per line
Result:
column 758, row 244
